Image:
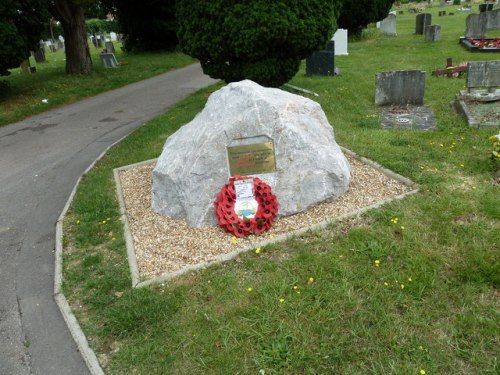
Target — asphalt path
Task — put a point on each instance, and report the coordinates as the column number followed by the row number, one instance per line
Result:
column 41, row 159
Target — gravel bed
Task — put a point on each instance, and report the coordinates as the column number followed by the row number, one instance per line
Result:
column 163, row 244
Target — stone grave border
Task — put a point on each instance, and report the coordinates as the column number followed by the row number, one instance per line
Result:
column 134, row 269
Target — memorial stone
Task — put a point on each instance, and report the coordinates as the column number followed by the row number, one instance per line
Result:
column 113, row 36
column 478, row 24
column 400, row 87
column 340, row 38
column 421, row 22
column 110, row 48
column 483, row 74
column 285, row 138
column 388, row 25
column 433, row 33
column 109, row 60
column 322, row 62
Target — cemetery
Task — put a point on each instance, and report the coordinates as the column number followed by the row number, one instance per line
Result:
column 347, row 226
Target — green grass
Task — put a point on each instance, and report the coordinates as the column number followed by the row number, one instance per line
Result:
column 52, row 83
column 432, row 303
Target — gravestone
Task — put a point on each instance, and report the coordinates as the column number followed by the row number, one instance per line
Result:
column 93, row 39
column 284, row 138
column 98, row 39
column 478, row 24
column 39, row 54
column 485, row 7
column 421, row 22
column 113, row 36
column 25, row 67
column 483, row 74
column 340, row 39
column 322, row 62
column 388, row 25
column 109, row 60
column 400, row 95
column 110, row 48
column 433, row 33
column 400, row 87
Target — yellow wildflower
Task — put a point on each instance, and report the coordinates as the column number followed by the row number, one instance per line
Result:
column 422, row 372
column 257, row 250
column 402, row 286
column 377, row 263
column 250, row 289
column 311, row 280
column 282, row 300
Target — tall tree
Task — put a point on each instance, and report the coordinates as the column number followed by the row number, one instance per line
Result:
column 21, row 27
column 356, row 15
column 71, row 14
column 260, row 40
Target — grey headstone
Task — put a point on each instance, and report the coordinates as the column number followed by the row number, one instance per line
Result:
column 478, row 24
column 39, row 55
column 109, row 60
column 388, row 25
column 322, row 62
column 421, row 22
column 400, row 87
column 110, row 48
column 483, row 74
column 193, row 167
column 433, row 33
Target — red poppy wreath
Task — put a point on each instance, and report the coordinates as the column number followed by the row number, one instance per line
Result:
column 245, row 205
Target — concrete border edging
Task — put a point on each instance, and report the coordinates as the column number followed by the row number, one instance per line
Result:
column 136, row 283
column 76, row 331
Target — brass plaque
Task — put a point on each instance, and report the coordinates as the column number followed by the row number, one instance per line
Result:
column 250, row 159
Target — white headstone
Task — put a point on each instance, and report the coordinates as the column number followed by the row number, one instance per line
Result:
column 112, row 35
column 309, row 165
column 340, row 39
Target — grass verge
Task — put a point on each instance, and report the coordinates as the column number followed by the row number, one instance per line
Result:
column 409, row 287
column 51, row 84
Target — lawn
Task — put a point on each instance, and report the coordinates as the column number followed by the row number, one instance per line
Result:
column 409, row 288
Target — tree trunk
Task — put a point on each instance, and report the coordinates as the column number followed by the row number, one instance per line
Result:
column 72, row 18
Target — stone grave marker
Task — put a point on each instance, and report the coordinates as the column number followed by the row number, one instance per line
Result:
column 400, row 87
column 433, row 33
column 282, row 138
column 340, row 39
column 478, row 24
column 113, row 36
column 39, row 54
column 322, row 62
column 479, row 103
column 93, row 39
column 109, row 60
column 98, row 39
column 110, row 48
column 388, row 25
column 400, row 95
column 421, row 22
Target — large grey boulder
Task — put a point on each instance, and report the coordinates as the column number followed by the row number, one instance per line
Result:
column 193, row 167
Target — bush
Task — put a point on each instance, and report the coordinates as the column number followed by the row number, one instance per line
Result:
column 259, row 40
column 456, row 2
column 21, row 26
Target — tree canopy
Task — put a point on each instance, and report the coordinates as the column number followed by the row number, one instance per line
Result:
column 148, row 25
column 356, row 15
column 259, row 40
column 21, row 26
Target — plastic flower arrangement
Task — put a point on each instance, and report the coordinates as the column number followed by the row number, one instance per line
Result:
column 245, row 205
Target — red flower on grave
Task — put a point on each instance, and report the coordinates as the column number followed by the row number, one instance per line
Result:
column 257, row 221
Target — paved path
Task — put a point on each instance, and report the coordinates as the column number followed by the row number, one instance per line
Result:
column 40, row 161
